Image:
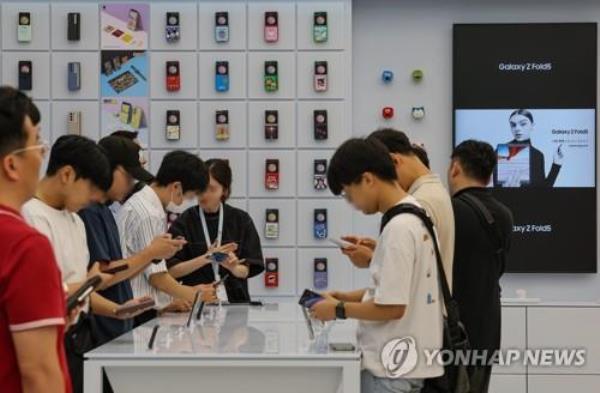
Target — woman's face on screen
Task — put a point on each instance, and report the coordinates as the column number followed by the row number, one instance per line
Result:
column 521, row 127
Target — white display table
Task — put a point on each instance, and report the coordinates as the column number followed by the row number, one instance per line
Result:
column 231, row 349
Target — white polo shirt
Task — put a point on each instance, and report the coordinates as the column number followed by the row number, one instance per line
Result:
column 403, row 272
column 140, row 220
column 66, row 233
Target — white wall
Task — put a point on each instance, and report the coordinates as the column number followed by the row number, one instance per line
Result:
column 406, row 34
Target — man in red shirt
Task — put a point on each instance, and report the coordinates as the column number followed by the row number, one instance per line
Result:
column 32, row 298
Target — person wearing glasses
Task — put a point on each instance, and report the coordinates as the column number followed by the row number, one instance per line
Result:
column 32, row 298
column 216, row 228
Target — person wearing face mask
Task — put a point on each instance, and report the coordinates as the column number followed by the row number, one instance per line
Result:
column 521, row 126
column 181, row 176
column 217, row 228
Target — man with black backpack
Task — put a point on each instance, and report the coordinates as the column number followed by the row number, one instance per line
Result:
column 400, row 314
column 483, row 228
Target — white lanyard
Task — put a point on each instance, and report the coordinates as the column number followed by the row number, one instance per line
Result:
column 215, row 265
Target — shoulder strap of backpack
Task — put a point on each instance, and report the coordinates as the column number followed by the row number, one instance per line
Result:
column 486, row 216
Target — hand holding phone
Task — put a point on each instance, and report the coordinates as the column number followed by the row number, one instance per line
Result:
column 309, row 298
column 134, row 307
column 339, row 242
column 84, row 291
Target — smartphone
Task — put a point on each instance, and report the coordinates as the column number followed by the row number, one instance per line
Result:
column 222, row 76
column 125, row 113
column 131, row 308
column 320, row 125
column 134, row 22
column 271, row 272
column 320, row 224
column 74, row 123
column 24, row 27
column 219, row 257
column 320, row 280
column 342, row 347
column 173, row 127
column 271, row 26
column 320, row 76
column 73, row 26
column 137, row 117
column 74, row 76
column 172, row 27
column 272, row 224
column 309, row 298
column 272, row 174
column 222, row 125
column 116, row 269
column 271, row 125
column 173, row 76
column 25, row 75
column 320, row 29
column 83, row 292
column 339, row 242
column 222, row 27
column 320, row 175
column 271, row 76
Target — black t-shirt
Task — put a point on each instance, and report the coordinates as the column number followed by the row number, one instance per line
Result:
column 104, row 245
column 237, row 227
column 477, row 270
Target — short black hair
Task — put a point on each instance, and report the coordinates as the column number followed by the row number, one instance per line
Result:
column 421, row 153
column 14, row 107
column 220, row 170
column 126, row 134
column 86, row 157
column 394, row 140
column 355, row 157
column 184, row 167
column 477, row 159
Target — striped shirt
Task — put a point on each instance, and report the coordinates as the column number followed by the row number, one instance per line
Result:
column 140, row 220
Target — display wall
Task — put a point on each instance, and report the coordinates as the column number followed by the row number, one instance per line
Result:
column 417, row 34
column 124, row 85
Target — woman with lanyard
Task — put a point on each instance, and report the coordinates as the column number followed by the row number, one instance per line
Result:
column 222, row 241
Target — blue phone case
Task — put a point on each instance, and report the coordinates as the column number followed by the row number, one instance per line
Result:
column 221, row 83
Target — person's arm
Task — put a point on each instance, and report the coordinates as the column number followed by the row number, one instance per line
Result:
column 34, row 301
column 38, row 360
column 164, row 282
column 250, row 251
column 352, row 296
column 184, row 262
column 370, row 311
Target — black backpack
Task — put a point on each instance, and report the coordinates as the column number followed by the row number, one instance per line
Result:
column 455, row 378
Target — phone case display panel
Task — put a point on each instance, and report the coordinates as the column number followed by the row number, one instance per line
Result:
column 322, row 124
column 272, row 26
column 320, row 26
column 272, row 125
column 285, row 261
column 213, row 85
column 222, row 25
column 123, row 73
column 218, row 135
column 25, row 26
column 174, row 75
column 174, row 26
column 285, row 173
column 75, row 26
column 284, row 211
column 75, row 75
column 177, row 131
column 75, row 117
column 269, row 85
column 311, row 273
column 338, row 220
column 312, row 173
column 28, row 71
column 331, row 85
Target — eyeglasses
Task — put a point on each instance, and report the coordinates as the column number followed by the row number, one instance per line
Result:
column 43, row 146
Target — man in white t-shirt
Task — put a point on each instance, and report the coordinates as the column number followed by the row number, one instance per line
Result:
column 415, row 177
column 400, row 314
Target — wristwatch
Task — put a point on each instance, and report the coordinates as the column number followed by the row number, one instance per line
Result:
column 340, row 310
